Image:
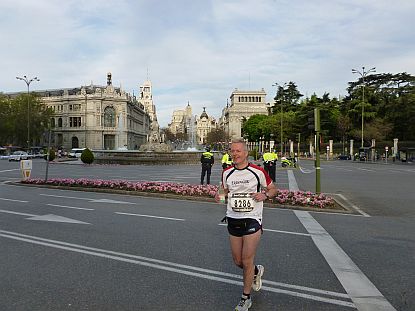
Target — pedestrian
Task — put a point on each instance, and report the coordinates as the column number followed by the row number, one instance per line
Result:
column 268, row 162
column 246, row 185
column 226, row 160
column 207, row 161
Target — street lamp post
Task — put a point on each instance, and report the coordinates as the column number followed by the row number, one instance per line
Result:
column 278, row 89
column 363, row 74
column 28, row 81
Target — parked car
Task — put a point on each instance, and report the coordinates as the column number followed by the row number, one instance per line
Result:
column 75, row 152
column 344, row 157
column 18, row 155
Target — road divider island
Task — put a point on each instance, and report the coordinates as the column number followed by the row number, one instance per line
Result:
column 284, row 198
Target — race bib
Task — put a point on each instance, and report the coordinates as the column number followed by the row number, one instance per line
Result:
column 242, row 202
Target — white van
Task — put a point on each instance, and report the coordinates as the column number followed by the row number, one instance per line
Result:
column 75, row 152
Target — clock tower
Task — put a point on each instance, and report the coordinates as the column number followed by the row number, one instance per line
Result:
column 146, row 99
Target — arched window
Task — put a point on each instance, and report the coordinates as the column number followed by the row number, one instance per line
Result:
column 109, row 117
column 75, row 142
column 60, row 122
column 52, row 122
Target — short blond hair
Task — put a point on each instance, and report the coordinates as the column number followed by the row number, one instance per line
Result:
column 240, row 140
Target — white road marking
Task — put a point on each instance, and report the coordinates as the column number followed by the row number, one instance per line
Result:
column 49, row 217
column 365, row 169
column 150, row 216
column 13, row 200
column 182, row 269
column 16, row 213
column 306, row 171
column 64, row 196
column 361, row 290
column 287, row 232
column 87, row 199
column 56, row 218
column 343, row 169
column 292, row 183
column 351, row 204
column 15, row 169
column 73, row 207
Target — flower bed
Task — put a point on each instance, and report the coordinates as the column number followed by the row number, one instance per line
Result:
column 283, row 197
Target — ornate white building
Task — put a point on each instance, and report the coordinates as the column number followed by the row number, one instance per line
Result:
column 244, row 104
column 204, row 124
column 181, row 120
column 146, row 99
column 97, row 117
column 195, row 127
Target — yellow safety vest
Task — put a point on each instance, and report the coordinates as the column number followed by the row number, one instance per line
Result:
column 267, row 156
column 226, row 159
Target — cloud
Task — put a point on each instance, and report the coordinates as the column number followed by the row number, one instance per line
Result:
column 199, row 51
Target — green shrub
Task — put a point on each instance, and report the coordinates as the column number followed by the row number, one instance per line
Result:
column 87, row 156
column 52, row 155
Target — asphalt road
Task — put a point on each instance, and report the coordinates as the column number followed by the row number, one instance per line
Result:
column 68, row 250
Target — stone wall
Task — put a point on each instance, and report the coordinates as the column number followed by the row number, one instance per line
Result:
column 147, row 158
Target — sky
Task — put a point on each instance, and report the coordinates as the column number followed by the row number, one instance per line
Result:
column 199, row 51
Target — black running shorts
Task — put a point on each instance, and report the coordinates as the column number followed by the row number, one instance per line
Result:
column 243, row 226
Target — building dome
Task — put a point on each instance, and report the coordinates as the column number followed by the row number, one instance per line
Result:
column 204, row 114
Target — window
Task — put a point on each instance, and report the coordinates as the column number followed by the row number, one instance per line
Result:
column 60, row 122
column 74, row 121
column 52, row 122
column 109, row 117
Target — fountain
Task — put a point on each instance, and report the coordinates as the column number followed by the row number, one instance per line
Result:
column 154, row 150
column 192, row 133
column 154, row 143
column 120, row 129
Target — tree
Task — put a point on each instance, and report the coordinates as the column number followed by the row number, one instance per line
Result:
column 168, row 134
column 217, row 138
column 14, row 122
column 287, row 96
column 388, row 97
column 252, row 128
column 6, row 121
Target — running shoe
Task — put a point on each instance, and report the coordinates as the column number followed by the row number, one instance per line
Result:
column 257, row 283
column 244, row 304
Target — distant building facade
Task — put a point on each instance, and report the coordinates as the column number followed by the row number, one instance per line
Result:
column 243, row 105
column 204, row 125
column 97, row 117
column 196, row 128
column 146, row 100
column 181, row 119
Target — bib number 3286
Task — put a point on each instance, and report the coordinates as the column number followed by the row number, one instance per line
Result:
column 242, row 202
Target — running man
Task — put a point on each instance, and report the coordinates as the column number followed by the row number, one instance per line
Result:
column 246, row 186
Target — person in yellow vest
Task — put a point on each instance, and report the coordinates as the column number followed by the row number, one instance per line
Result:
column 226, row 160
column 207, row 161
column 268, row 162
